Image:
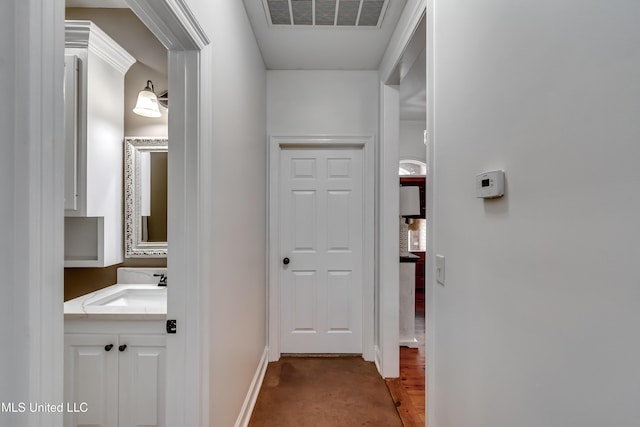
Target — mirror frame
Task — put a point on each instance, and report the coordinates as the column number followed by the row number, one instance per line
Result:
column 134, row 247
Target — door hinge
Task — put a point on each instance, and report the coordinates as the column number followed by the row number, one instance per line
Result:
column 171, row 326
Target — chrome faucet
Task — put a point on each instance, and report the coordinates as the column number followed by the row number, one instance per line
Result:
column 163, row 279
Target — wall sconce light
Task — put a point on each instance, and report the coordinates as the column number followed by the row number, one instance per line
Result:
column 409, row 202
column 147, row 104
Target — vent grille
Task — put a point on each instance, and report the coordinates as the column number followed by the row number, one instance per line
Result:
column 340, row 13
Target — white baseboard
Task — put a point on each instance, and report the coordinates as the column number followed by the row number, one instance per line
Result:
column 254, row 389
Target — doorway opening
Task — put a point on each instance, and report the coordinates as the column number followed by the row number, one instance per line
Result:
column 409, row 77
column 151, row 63
column 178, row 31
column 303, row 232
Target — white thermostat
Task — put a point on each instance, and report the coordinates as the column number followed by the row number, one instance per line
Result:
column 490, row 184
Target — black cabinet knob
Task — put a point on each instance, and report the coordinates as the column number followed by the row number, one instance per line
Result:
column 123, row 347
column 285, row 261
column 108, row 347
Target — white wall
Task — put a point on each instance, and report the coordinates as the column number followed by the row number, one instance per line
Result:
column 412, row 140
column 238, row 290
column 322, row 102
column 537, row 324
column 13, row 358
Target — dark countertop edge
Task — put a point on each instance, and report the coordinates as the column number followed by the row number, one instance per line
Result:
column 409, row 258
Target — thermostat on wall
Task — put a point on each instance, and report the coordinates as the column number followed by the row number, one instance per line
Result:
column 490, row 184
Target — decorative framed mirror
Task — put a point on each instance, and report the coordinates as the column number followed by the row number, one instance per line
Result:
column 145, row 197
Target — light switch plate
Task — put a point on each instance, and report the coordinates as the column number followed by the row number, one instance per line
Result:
column 440, row 269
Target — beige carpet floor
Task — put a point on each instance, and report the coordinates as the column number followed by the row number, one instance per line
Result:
column 341, row 391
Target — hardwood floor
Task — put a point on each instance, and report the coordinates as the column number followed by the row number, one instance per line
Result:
column 408, row 391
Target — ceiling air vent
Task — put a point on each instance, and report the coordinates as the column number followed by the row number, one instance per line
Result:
column 323, row 13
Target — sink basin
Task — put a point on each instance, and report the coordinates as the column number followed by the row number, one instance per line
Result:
column 120, row 301
column 133, row 298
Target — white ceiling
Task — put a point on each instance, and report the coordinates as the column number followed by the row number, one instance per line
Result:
column 332, row 48
column 307, row 48
column 107, row 4
column 320, row 48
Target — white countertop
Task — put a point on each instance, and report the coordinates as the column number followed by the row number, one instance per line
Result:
column 120, row 302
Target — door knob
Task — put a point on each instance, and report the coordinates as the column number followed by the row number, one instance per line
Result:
column 285, row 261
column 123, row 347
column 108, row 347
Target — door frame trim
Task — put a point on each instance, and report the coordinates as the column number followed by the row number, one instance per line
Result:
column 276, row 144
column 39, row 155
column 189, row 208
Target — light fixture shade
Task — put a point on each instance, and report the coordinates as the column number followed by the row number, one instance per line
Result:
column 147, row 104
column 409, row 200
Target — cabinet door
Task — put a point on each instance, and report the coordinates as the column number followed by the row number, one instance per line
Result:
column 142, row 381
column 91, row 380
column 71, row 79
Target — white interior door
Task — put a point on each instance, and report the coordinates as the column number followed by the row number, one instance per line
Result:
column 321, row 234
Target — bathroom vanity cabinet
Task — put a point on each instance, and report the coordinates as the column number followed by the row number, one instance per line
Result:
column 115, row 371
column 95, row 66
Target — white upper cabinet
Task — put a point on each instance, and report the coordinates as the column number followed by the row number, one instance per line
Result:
column 95, row 66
